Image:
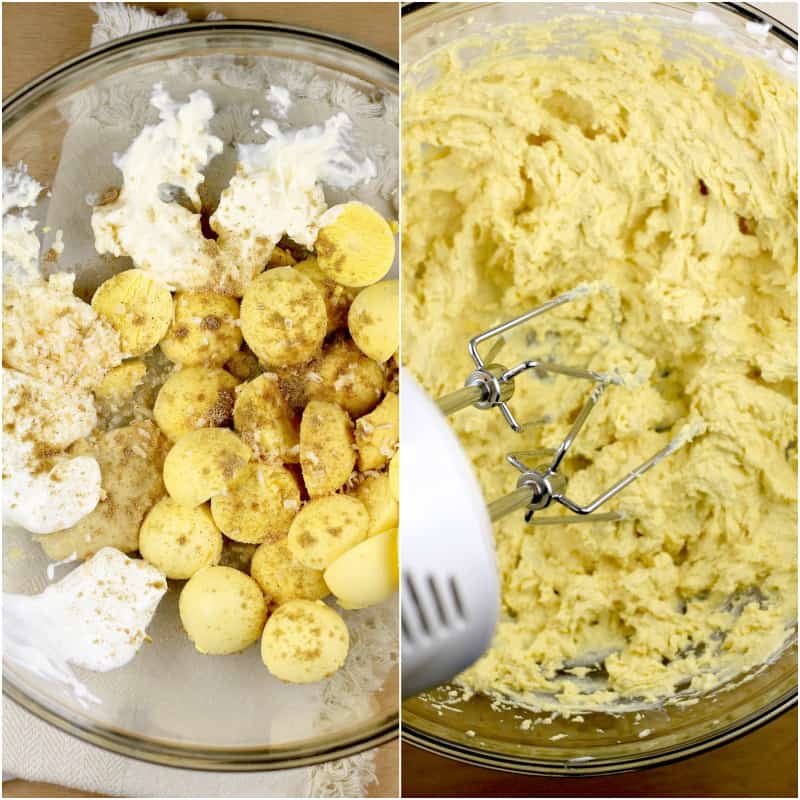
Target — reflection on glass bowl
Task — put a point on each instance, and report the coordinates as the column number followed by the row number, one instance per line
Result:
column 171, row 705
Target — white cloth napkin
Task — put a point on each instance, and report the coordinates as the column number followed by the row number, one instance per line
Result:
column 36, row 751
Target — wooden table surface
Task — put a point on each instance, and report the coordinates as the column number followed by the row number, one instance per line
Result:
column 761, row 764
column 38, row 36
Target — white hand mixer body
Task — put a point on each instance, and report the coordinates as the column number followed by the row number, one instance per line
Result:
column 450, row 586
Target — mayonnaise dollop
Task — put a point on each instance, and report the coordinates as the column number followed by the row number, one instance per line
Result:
column 43, row 489
column 95, row 617
column 20, row 243
column 163, row 237
column 52, row 335
column 283, row 177
column 276, row 192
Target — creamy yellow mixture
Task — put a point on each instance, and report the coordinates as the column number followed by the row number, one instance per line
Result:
column 526, row 175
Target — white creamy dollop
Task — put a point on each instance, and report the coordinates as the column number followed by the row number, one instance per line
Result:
column 283, row 178
column 95, row 617
column 163, row 237
column 20, row 242
column 44, row 490
column 276, row 192
column 50, row 334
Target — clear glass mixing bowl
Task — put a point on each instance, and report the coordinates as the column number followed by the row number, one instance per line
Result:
column 480, row 731
column 170, row 705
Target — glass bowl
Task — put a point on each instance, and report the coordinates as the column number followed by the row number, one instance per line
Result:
column 170, row 705
column 502, row 735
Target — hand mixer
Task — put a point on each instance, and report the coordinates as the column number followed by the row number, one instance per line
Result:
column 451, row 594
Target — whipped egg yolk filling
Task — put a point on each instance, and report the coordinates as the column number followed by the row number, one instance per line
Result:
column 527, row 174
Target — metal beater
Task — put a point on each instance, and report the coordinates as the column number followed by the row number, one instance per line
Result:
column 451, row 592
column 491, row 385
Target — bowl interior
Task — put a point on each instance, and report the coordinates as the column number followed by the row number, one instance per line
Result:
column 170, row 702
column 506, row 736
column 498, row 733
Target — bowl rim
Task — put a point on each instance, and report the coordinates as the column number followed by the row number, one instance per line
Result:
column 524, row 765
column 189, row 30
column 313, row 751
column 749, row 11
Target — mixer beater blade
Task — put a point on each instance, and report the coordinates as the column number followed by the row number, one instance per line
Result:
column 492, row 385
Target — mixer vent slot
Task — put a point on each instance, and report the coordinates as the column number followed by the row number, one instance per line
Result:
column 429, row 605
column 456, row 595
column 407, row 634
column 438, row 600
column 416, row 605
